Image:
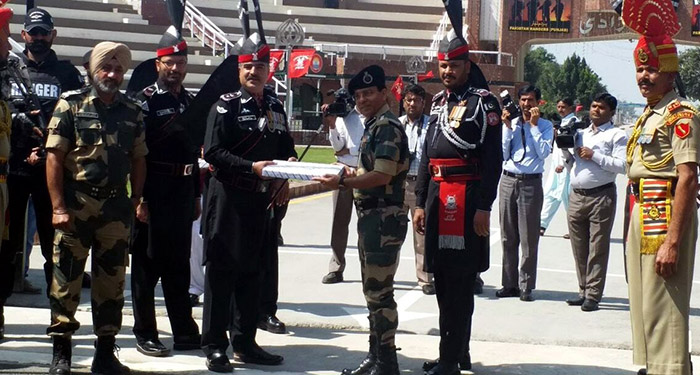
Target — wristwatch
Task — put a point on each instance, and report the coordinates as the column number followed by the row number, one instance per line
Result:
column 341, row 181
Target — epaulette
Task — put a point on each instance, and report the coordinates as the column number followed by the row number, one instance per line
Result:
column 79, row 91
column 274, row 99
column 677, row 104
column 438, row 96
column 678, row 110
column 480, row 92
column 230, row 96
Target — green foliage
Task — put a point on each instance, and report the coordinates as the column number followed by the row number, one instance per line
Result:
column 690, row 74
column 324, row 155
column 573, row 79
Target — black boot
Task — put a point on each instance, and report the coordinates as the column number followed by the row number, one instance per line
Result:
column 367, row 363
column 105, row 362
column 386, row 361
column 2, row 319
column 62, row 351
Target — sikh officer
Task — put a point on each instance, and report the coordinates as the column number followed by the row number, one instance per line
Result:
column 246, row 130
column 457, row 184
column 379, row 199
column 662, row 158
column 6, row 256
column 161, row 245
column 96, row 139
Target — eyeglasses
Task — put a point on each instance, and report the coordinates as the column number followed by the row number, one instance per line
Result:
column 170, row 64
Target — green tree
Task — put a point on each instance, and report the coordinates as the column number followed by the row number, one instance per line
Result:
column 690, row 74
column 537, row 62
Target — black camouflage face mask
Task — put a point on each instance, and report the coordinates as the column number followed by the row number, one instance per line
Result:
column 39, row 47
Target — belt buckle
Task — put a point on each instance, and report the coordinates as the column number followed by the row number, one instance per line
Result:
column 187, row 169
column 436, row 170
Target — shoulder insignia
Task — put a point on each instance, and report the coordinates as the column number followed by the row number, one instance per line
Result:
column 674, row 117
column 439, row 96
column 480, row 92
column 70, row 93
column 493, row 119
column 230, row 96
column 221, row 109
column 674, row 105
column 273, row 99
column 682, row 129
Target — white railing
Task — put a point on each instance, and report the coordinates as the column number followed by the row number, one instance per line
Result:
column 206, row 31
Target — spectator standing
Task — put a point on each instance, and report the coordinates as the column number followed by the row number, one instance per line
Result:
column 527, row 141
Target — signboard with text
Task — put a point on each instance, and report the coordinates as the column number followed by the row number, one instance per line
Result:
column 695, row 17
column 552, row 16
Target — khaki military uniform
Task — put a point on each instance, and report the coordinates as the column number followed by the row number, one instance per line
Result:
column 381, row 220
column 100, row 142
column 664, row 137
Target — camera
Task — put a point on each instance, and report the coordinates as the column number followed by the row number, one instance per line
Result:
column 511, row 106
column 567, row 133
column 342, row 105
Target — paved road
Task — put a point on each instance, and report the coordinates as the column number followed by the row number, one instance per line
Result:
column 327, row 321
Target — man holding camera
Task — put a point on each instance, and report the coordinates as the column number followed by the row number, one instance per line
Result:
column 416, row 125
column 599, row 156
column 345, row 130
column 527, row 141
column 382, row 220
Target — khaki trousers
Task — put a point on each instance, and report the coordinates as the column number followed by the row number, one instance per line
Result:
column 424, row 278
column 660, row 308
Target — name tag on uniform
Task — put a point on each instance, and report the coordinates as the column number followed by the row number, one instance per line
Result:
column 247, row 118
column 87, row 115
column 165, row 112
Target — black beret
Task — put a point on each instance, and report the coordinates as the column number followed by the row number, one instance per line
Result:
column 371, row 76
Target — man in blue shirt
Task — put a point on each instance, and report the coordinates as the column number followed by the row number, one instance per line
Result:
column 527, row 141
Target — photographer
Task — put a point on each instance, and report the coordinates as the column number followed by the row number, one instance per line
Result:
column 556, row 188
column 49, row 77
column 345, row 130
column 527, row 141
column 598, row 157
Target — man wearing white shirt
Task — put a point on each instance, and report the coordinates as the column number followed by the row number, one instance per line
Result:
column 416, row 125
column 598, row 158
column 345, row 135
column 556, row 189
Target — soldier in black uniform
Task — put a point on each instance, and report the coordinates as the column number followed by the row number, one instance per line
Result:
column 246, row 129
column 456, row 185
column 162, row 233
column 50, row 77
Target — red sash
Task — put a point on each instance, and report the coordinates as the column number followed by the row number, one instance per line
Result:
column 453, row 188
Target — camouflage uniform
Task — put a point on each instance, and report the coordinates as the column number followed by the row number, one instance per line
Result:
column 99, row 141
column 382, row 220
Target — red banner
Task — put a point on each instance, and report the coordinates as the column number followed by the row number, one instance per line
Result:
column 397, row 88
column 300, row 62
column 426, row 76
column 275, row 58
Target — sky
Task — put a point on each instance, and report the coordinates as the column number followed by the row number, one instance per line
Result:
column 611, row 60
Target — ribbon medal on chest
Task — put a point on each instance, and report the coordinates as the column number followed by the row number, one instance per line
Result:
column 457, row 114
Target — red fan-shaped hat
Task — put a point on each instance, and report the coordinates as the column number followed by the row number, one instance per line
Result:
column 657, row 22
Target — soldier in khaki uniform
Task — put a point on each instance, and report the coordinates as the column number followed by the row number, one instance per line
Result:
column 96, row 138
column 382, row 218
column 6, row 257
column 662, row 157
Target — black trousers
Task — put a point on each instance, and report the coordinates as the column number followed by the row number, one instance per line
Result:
column 227, row 291
column 20, row 188
column 173, row 271
column 270, row 275
column 454, row 289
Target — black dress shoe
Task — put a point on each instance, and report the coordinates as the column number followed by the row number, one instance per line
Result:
column 255, row 354
column 578, row 301
column 507, row 292
column 218, row 362
column 273, row 325
column 642, row 371
column 589, row 305
column 152, row 348
column 466, row 363
column 478, row 285
column 332, row 278
column 194, row 300
column 428, row 289
column 428, row 365
column 87, row 281
column 442, row 368
column 526, row 296
column 191, row 342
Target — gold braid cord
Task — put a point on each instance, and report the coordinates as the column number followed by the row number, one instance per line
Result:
column 5, row 118
column 632, row 146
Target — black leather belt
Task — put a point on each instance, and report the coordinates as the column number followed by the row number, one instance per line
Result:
column 97, row 192
column 170, row 169
column 370, row 203
column 457, row 170
column 594, row 190
column 411, row 178
column 524, row 176
column 250, row 183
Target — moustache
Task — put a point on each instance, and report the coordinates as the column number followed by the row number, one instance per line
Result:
column 645, row 82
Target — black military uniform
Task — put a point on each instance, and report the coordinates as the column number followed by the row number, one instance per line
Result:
column 461, row 165
column 49, row 79
column 241, row 129
column 161, row 247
